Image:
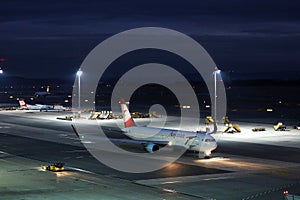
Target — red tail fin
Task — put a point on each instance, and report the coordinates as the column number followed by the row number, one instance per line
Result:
column 22, row 103
column 128, row 121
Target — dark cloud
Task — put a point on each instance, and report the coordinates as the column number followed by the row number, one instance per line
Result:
column 119, row 8
column 213, row 16
column 256, row 35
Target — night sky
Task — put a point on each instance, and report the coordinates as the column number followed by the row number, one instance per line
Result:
column 50, row 39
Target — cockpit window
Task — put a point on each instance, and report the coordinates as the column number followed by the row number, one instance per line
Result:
column 210, row 140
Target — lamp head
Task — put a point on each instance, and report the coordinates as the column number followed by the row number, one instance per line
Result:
column 79, row 73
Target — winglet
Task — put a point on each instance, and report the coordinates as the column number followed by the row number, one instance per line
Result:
column 75, row 130
column 128, row 121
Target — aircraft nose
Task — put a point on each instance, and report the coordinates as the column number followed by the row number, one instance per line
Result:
column 214, row 146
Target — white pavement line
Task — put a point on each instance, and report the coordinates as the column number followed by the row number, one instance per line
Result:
column 215, row 179
column 189, row 179
column 183, row 193
column 170, row 182
column 4, row 152
column 81, row 170
column 4, row 127
column 87, row 181
column 72, row 138
column 79, row 157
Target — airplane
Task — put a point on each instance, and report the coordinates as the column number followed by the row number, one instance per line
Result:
column 40, row 107
column 154, row 138
column 43, row 93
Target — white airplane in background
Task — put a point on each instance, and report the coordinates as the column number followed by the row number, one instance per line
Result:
column 154, row 138
column 43, row 93
column 40, row 107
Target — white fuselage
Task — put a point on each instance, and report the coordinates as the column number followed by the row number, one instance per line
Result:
column 190, row 140
column 42, row 107
column 33, row 107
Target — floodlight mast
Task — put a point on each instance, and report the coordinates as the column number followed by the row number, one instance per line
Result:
column 78, row 74
column 215, row 98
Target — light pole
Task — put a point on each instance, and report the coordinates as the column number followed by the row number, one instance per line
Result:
column 79, row 73
column 215, row 103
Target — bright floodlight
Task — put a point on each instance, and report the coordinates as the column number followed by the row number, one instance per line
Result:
column 1, row 71
column 79, row 73
column 218, row 71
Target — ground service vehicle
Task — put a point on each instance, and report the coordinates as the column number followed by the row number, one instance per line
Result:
column 56, row 167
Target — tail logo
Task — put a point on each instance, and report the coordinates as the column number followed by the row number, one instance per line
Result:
column 128, row 121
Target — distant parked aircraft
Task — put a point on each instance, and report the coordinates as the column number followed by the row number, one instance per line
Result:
column 41, row 107
column 43, row 93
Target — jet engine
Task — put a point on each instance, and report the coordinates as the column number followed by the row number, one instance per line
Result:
column 152, row 147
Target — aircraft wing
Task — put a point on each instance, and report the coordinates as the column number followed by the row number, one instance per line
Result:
column 131, row 141
column 117, row 140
